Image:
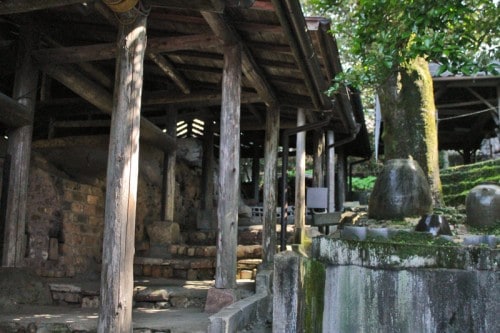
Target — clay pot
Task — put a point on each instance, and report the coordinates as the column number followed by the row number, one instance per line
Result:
column 401, row 190
column 482, row 205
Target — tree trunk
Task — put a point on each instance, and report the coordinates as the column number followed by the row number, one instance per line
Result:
column 409, row 115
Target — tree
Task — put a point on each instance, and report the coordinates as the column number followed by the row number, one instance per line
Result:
column 390, row 42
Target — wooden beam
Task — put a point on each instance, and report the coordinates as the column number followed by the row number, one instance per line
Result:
column 196, row 98
column 197, row 5
column 103, row 100
column 19, row 153
column 330, row 170
column 163, row 63
column 270, row 198
column 13, row 114
column 23, row 6
column 169, row 69
column 225, row 31
column 77, row 54
column 229, row 170
column 115, row 314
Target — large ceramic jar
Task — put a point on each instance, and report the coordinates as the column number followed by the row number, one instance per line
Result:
column 401, row 190
column 483, row 205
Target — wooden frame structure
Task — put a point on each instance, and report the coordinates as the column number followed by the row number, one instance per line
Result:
column 245, row 67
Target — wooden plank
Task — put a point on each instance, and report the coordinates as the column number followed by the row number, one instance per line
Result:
column 115, row 314
column 23, row 6
column 300, row 178
column 13, row 114
column 19, row 152
column 225, row 31
column 229, row 170
column 77, row 54
column 100, row 98
column 169, row 160
column 270, row 199
column 196, row 98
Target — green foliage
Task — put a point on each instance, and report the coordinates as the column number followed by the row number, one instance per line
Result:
column 363, row 184
column 381, row 35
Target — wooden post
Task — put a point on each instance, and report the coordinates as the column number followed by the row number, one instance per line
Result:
column 319, row 147
column 300, row 178
column 270, row 186
column 341, row 184
column 255, row 173
column 19, row 152
column 205, row 218
column 229, row 170
column 115, row 313
column 169, row 159
column 330, row 169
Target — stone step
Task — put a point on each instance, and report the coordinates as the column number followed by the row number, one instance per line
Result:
column 157, row 293
column 191, row 268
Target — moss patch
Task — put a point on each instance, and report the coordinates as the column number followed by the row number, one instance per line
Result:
column 314, row 291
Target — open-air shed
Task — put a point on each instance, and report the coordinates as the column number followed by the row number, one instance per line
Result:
column 240, row 75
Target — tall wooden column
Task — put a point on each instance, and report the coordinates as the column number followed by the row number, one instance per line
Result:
column 300, row 178
column 19, row 151
column 169, row 159
column 229, row 169
column 330, row 167
column 341, row 184
column 115, row 313
column 270, row 186
column 255, row 174
column 205, row 219
column 319, row 147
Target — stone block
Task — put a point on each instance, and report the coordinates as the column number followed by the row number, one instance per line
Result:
column 167, row 272
column 152, row 295
column 163, row 232
column 90, row 302
column 156, row 271
column 220, row 298
column 191, row 251
column 192, row 274
column 146, row 270
column 246, row 274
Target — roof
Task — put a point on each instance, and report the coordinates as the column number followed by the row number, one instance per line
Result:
column 288, row 61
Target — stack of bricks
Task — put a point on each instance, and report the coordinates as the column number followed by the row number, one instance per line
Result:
column 83, row 224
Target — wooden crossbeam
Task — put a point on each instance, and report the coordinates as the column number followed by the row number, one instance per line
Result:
column 13, row 114
column 23, row 6
column 103, row 100
column 105, row 51
column 225, row 31
column 196, row 98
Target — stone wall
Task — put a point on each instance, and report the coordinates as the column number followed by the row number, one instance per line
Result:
column 65, row 217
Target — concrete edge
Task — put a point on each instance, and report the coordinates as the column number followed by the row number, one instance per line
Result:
column 246, row 311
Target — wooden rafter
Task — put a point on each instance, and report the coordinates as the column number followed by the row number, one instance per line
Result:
column 104, row 51
column 225, row 31
column 23, row 6
column 103, row 100
column 196, row 98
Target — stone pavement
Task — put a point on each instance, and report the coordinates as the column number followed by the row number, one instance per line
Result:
column 161, row 305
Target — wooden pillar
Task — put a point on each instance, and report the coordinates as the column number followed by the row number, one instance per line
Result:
column 168, row 184
column 255, row 173
column 205, row 220
column 270, row 186
column 300, row 178
column 19, row 152
column 115, row 313
column 341, row 184
column 229, row 170
column 330, row 167
column 319, row 148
